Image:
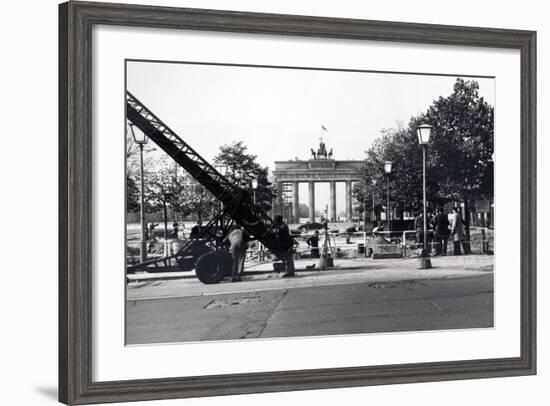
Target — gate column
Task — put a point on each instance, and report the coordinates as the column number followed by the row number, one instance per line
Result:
column 296, row 202
column 332, row 215
column 311, row 201
column 279, row 199
column 348, row 200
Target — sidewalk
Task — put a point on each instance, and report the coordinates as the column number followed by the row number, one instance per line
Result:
column 260, row 277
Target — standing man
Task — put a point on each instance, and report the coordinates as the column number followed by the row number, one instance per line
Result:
column 313, row 243
column 151, row 231
column 441, row 230
column 285, row 239
column 175, row 228
column 196, row 231
column 238, row 244
column 457, row 230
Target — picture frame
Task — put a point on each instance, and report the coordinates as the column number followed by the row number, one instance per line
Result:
column 76, row 20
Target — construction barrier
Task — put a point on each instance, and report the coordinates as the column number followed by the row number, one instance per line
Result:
column 344, row 245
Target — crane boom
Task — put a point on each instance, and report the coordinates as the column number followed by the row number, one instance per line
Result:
column 237, row 203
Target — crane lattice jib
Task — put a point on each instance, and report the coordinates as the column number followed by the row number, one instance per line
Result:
column 236, row 201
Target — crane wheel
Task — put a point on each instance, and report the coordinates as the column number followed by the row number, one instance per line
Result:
column 212, row 267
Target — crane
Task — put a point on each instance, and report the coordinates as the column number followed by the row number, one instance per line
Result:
column 207, row 254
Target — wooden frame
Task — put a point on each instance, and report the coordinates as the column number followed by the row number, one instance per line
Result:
column 75, row 179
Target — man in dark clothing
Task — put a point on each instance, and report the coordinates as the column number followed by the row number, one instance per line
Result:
column 238, row 244
column 285, row 239
column 313, row 243
column 196, row 231
column 441, row 230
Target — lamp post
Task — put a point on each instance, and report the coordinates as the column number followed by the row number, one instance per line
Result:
column 387, row 169
column 141, row 139
column 424, row 131
column 166, row 198
column 254, row 187
column 365, row 209
column 254, row 184
column 492, row 209
column 373, row 203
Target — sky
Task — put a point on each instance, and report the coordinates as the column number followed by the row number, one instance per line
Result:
column 278, row 112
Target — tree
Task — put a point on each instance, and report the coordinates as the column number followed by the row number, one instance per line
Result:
column 458, row 165
column 462, row 145
column 242, row 168
column 365, row 192
column 132, row 195
column 161, row 187
column 194, row 199
column 304, row 210
column 169, row 188
column 405, row 186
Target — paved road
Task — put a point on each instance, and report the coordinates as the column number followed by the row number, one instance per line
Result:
column 367, row 307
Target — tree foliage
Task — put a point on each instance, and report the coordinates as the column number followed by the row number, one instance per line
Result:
column 243, row 168
column 132, row 195
column 195, row 199
column 303, row 210
column 462, row 144
column 458, row 160
column 168, row 188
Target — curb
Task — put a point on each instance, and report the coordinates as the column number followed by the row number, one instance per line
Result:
column 166, row 276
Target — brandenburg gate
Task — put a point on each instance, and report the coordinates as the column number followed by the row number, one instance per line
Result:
column 321, row 167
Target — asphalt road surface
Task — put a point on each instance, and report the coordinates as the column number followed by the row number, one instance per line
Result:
column 410, row 305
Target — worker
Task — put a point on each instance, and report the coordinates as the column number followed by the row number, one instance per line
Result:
column 196, row 231
column 238, row 244
column 150, row 234
column 313, row 243
column 285, row 240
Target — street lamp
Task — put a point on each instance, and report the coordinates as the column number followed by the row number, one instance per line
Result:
column 254, row 184
column 424, row 131
column 387, row 169
column 365, row 208
column 373, row 203
column 141, row 139
column 254, row 187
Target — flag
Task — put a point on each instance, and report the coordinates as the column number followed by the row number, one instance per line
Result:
column 324, row 128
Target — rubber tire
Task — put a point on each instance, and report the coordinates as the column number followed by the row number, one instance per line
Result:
column 212, row 267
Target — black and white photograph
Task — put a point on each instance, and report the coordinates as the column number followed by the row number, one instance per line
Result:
column 275, row 202
column 268, row 202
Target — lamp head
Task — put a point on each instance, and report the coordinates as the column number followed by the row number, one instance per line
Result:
column 387, row 167
column 139, row 136
column 424, row 131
